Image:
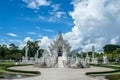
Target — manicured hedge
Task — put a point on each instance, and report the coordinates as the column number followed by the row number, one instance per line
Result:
column 117, row 69
column 107, row 66
column 88, row 73
column 20, row 71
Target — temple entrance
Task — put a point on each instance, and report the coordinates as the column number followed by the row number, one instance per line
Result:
column 60, row 59
column 60, row 51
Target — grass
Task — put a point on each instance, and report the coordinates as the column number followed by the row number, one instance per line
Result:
column 4, row 67
column 116, row 71
column 3, row 64
column 105, row 74
column 1, row 69
column 7, row 63
column 108, row 75
column 107, row 66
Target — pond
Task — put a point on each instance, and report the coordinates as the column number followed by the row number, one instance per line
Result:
column 109, row 77
column 12, row 76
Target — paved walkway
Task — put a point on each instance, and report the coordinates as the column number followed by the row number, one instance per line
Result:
column 60, row 73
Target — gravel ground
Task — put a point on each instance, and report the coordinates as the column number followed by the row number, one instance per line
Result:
column 61, row 73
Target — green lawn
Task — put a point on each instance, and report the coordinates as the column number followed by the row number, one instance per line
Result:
column 7, row 63
column 4, row 68
column 115, row 71
column 1, row 69
column 2, row 64
column 109, row 75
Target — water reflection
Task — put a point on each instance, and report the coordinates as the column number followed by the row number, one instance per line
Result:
column 109, row 77
column 12, row 76
column 100, row 77
column 113, row 77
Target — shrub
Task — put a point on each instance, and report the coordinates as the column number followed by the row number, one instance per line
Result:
column 117, row 69
column 20, row 71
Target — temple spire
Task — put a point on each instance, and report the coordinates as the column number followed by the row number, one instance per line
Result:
column 59, row 35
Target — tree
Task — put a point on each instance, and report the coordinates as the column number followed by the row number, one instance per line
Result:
column 2, row 52
column 3, row 47
column 116, row 53
column 33, row 47
column 109, row 48
column 14, row 52
column 13, row 47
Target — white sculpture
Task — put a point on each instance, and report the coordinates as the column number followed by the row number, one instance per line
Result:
column 25, row 58
column 93, row 52
column 105, row 60
column 26, row 50
column 94, row 59
column 87, row 59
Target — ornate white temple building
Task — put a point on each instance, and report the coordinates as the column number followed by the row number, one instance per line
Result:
column 59, row 56
column 60, row 50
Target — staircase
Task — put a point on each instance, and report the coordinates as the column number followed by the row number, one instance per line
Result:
column 60, row 62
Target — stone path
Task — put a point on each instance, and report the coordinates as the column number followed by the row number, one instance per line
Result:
column 60, row 73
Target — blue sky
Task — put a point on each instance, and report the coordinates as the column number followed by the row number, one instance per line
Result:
column 18, row 21
column 84, row 23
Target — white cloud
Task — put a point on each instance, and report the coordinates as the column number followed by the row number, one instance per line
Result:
column 12, row 34
column 24, row 42
column 7, row 45
column 22, row 45
column 60, row 14
column 33, row 33
column 28, row 39
column 48, row 30
column 35, row 4
column 48, row 19
column 15, row 40
column 42, row 17
column 45, row 42
column 55, row 17
column 115, row 40
column 56, row 7
column 96, row 23
column 52, row 19
column 57, row 11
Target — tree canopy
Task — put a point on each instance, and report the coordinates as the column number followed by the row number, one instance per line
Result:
column 33, row 47
column 13, row 52
column 109, row 48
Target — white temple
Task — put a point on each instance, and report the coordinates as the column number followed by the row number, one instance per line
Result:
column 60, row 49
column 59, row 56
